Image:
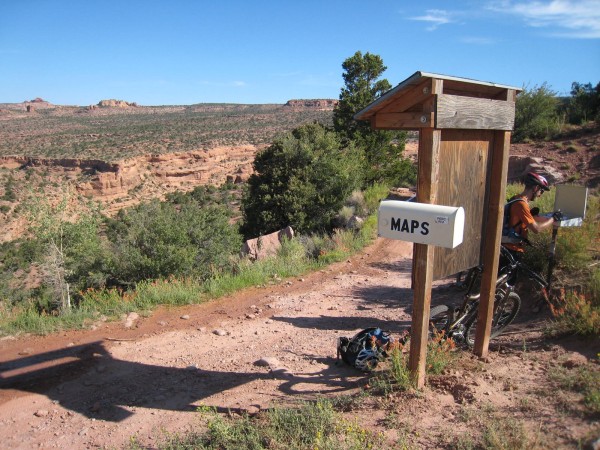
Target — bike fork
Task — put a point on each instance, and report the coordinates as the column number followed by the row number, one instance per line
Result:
column 500, row 301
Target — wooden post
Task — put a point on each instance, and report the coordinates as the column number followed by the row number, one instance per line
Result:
column 491, row 239
column 429, row 147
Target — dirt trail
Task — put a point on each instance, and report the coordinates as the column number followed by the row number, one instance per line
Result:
column 99, row 388
column 265, row 347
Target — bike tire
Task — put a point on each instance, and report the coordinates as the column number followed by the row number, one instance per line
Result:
column 507, row 312
column 439, row 318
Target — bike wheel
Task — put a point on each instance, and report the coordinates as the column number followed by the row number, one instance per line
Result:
column 439, row 319
column 505, row 314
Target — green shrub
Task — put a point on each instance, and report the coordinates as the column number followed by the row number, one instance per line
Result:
column 440, row 353
column 33, row 312
column 158, row 240
column 577, row 313
column 584, row 103
column 373, row 196
column 398, row 370
column 536, row 114
column 396, row 374
column 301, row 180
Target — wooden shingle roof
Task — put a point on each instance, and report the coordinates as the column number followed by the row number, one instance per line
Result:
column 429, row 100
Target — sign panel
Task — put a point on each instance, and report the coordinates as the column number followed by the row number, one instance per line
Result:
column 421, row 223
column 571, row 200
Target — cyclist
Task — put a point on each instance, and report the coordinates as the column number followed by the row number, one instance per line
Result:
column 521, row 217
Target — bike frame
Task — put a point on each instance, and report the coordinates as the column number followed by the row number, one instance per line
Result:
column 466, row 313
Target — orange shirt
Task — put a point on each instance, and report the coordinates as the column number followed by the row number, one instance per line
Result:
column 520, row 218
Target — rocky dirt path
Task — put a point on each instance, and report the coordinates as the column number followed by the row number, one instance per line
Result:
column 275, row 346
column 259, row 348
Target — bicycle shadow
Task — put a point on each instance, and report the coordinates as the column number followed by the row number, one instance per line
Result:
column 88, row 380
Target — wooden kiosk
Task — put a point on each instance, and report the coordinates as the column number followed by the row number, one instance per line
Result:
column 464, row 139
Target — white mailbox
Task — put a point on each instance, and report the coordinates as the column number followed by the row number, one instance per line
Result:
column 421, row 223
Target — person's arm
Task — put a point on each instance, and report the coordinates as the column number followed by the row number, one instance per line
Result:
column 540, row 223
column 521, row 212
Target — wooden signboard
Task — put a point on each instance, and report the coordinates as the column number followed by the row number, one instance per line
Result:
column 464, row 157
column 464, row 136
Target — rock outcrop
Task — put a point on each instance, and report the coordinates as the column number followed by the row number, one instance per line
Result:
column 320, row 104
column 129, row 181
column 519, row 166
column 267, row 245
column 116, row 104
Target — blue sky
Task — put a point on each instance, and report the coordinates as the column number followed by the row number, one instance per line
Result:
column 78, row 52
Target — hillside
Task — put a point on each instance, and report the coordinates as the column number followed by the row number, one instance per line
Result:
column 120, row 154
column 274, row 345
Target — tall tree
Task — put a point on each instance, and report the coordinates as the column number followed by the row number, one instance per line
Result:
column 301, row 180
column 584, row 102
column 362, row 86
column 382, row 149
column 71, row 247
column 536, row 113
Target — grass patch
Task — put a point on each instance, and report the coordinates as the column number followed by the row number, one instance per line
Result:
column 309, row 426
column 583, row 380
column 295, row 257
column 492, row 431
column 396, row 374
column 26, row 317
column 572, row 148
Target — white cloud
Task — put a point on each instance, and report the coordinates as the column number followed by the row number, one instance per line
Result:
column 435, row 17
column 566, row 18
column 477, row 40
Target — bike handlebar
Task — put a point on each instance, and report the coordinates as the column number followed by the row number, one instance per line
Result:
column 514, row 264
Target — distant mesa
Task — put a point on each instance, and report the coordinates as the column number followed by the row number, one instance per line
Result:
column 322, row 104
column 36, row 103
column 115, row 104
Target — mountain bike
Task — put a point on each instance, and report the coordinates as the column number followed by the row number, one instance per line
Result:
column 460, row 323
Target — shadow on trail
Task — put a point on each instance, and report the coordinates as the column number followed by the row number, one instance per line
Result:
column 389, row 297
column 349, row 323
column 402, row 266
column 88, row 380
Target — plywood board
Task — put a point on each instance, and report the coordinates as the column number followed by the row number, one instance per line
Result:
column 571, row 200
column 464, row 159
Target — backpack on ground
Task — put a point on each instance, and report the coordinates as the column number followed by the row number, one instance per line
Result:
column 365, row 349
column 511, row 235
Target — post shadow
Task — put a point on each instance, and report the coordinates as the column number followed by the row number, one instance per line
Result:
column 113, row 387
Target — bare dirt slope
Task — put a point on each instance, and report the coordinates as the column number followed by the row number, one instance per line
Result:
column 99, row 388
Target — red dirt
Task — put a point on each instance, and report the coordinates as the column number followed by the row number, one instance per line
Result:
column 99, row 388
